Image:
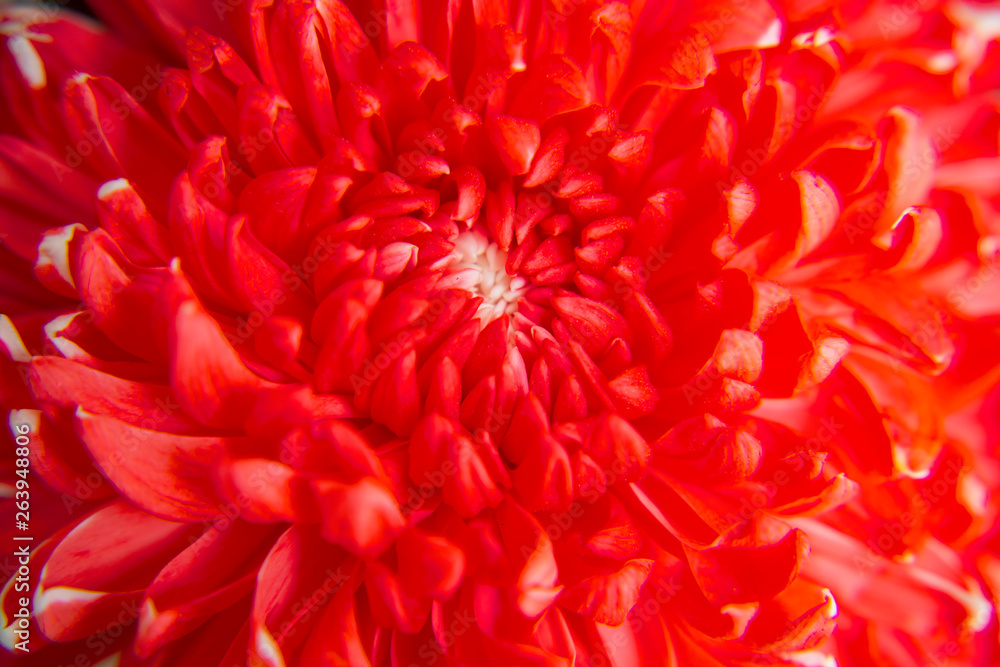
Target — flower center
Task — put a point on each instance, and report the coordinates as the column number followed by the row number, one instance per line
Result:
column 482, row 267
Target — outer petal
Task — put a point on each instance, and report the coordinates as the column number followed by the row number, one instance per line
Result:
column 206, row 578
column 101, row 567
column 299, row 565
column 165, row 475
column 60, row 385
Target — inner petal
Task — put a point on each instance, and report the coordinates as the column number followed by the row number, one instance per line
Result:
column 485, row 265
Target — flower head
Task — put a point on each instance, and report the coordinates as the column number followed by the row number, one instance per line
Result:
column 564, row 333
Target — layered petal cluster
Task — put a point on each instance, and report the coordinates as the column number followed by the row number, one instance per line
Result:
column 566, row 332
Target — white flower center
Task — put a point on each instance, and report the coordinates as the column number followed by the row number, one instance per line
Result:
column 479, row 267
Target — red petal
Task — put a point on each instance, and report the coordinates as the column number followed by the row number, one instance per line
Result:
column 549, row 158
column 735, row 575
column 500, row 214
column 163, row 474
column 391, row 605
column 609, row 598
column 94, row 103
column 58, row 383
column 198, row 233
column 595, row 324
column 618, row 447
column 329, row 448
column 467, row 471
column 263, row 489
column 60, row 458
column 121, row 296
column 531, row 554
column 272, row 137
column 215, row 572
column 265, row 284
column 124, row 216
column 364, row 518
column 429, row 566
column 633, row 392
column 96, row 576
column 55, row 251
column 336, row 638
column 38, row 201
column 207, row 374
column 284, row 606
column 396, row 398
column 516, row 140
column 555, row 85
column 471, row 193
column 163, row 24
column 544, row 479
column 274, row 203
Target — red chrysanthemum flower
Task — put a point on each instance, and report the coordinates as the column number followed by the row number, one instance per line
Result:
column 549, row 332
